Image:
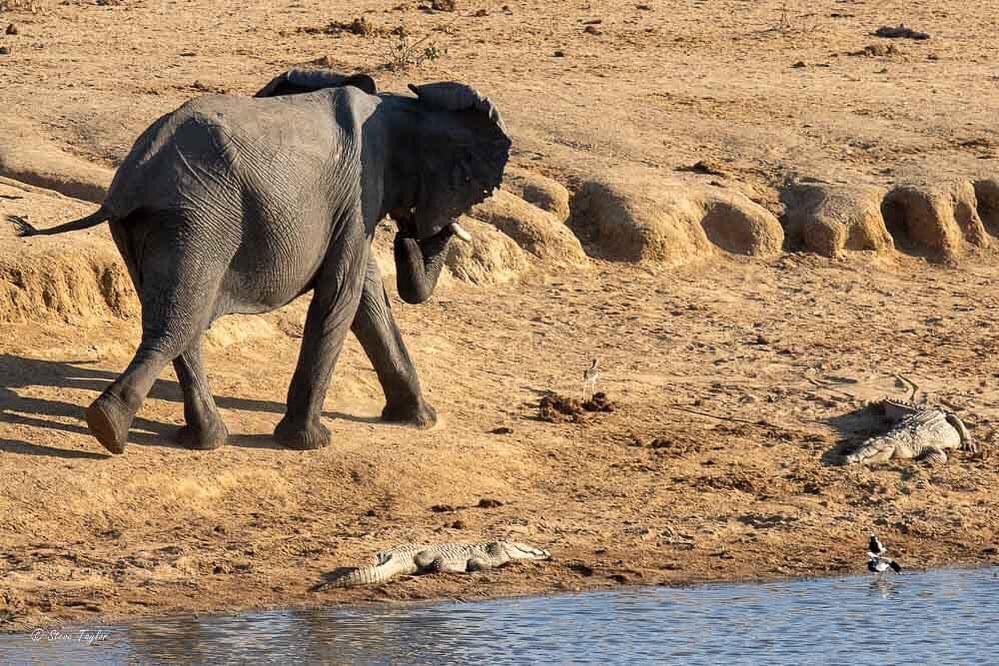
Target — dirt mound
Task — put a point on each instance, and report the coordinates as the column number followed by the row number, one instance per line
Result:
column 539, row 190
column 832, row 219
column 556, row 408
column 643, row 217
column 737, row 225
column 491, row 258
column 938, row 221
column 535, row 230
column 27, row 156
column 987, row 194
column 68, row 278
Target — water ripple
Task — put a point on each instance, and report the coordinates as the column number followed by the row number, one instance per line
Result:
column 940, row 617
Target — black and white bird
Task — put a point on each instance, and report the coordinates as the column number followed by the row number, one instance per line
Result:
column 877, row 558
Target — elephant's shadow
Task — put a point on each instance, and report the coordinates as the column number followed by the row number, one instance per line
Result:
column 22, row 372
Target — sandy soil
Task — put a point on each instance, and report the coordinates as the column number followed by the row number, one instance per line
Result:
column 779, row 355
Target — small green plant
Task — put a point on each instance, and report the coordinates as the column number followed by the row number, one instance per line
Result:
column 405, row 51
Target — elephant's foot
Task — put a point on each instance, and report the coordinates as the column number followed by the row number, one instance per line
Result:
column 109, row 418
column 419, row 415
column 302, row 436
column 203, row 437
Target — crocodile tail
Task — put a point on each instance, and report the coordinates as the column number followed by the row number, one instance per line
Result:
column 387, row 568
column 967, row 443
column 873, row 450
column 371, row 575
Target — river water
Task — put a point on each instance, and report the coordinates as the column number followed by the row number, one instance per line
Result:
column 940, row 617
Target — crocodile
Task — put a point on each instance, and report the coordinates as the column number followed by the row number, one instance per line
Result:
column 918, row 432
column 409, row 559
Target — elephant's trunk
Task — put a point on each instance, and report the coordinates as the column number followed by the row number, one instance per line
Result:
column 419, row 262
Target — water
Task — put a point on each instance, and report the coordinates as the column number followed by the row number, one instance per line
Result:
column 939, row 617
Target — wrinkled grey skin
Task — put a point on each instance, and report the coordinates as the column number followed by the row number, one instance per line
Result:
column 240, row 205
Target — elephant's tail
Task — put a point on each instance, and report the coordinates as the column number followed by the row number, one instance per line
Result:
column 25, row 228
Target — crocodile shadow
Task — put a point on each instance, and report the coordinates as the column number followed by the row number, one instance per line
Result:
column 854, row 427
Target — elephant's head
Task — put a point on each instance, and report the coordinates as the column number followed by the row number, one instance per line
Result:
column 446, row 151
column 450, row 147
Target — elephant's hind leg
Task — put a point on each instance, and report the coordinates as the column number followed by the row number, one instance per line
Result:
column 110, row 416
column 177, row 288
column 205, row 428
column 379, row 335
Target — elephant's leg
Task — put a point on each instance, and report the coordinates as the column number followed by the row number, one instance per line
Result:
column 205, row 428
column 378, row 334
column 176, row 289
column 335, row 298
column 110, row 416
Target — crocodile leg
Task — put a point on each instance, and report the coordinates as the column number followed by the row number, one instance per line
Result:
column 424, row 561
column 443, row 565
column 479, row 564
column 933, row 455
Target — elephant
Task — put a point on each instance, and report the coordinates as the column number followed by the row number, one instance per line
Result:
column 238, row 204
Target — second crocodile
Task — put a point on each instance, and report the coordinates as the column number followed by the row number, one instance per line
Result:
column 918, row 432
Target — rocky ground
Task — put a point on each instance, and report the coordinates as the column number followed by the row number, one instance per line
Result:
column 757, row 216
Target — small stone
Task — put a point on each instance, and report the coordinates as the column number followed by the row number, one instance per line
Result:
column 900, row 32
column 5, row 50
column 443, row 5
column 489, row 503
column 458, row 525
column 707, row 167
column 481, row 13
column 442, row 508
column 592, row 30
column 11, row 29
column 502, row 430
column 800, row 64
column 559, row 54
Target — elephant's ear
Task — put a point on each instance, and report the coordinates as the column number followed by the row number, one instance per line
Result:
column 297, row 81
column 464, row 149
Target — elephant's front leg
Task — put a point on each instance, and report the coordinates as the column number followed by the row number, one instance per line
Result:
column 378, row 334
column 336, row 294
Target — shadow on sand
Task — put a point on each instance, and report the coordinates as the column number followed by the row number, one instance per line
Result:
column 854, row 427
column 22, row 372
